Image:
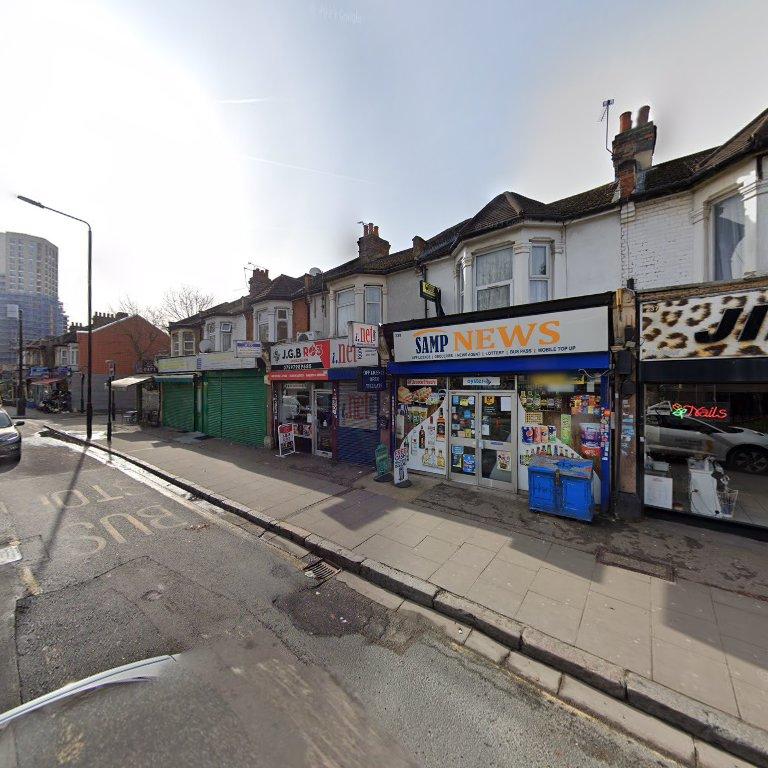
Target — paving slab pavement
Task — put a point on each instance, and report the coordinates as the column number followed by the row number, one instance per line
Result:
column 692, row 635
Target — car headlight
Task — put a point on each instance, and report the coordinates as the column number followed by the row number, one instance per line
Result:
column 8, row 439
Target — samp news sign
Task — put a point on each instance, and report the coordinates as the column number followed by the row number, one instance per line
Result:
column 554, row 333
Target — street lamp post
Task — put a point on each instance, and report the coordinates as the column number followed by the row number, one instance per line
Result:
column 21, row 403
column 88, row 404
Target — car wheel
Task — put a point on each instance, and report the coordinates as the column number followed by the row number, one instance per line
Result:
column 749, row 459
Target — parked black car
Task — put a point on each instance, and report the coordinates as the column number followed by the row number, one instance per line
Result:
column 10, row 437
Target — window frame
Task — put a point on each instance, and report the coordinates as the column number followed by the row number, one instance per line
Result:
column 187, row 337
column 282, row 318
column 341, row 330
column 263, row 322
column 499, row 283
column 380, row 290
column 460, row 287
column 723, row 197
column 176, row 344
column 547, row 278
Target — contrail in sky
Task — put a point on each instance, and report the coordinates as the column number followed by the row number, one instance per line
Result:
column 306, row 169
column 247, row 101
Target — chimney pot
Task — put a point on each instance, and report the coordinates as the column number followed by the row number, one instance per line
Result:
column 642, row 115
column 625, row 122
column 376, row 231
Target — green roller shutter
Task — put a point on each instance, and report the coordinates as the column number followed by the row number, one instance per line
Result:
column 179, row 405
column 234, row 406
column 212, row 404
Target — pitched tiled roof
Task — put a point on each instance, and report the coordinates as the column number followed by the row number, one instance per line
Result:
column 753, row 136
column 282, row 287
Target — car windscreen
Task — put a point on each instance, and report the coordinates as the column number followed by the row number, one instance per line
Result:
column 5, row 421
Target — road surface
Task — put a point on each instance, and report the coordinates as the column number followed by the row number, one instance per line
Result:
column 116, row 569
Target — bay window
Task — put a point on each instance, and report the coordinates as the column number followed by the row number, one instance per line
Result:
column 539, row 274
column 728, row 238
column 188, row 343
column 460, row 288
column 373, row 313
column 345, row 309
column 282, row 325
column 262, row 325
column 175, row 344
column 493, row 279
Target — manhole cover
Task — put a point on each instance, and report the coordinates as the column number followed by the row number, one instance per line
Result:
column 659, row 570
column 320, row 571
column 9, row 554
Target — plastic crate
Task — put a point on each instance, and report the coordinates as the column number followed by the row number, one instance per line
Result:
column 542, row 489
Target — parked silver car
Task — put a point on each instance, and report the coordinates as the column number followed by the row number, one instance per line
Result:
column 10, row 437
column 669, row 435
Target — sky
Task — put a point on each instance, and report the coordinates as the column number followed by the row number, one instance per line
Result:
column 198, row 136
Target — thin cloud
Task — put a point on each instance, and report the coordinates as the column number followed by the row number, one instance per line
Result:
column 306, row 169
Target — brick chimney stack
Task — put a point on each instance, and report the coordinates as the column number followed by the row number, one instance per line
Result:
column 370, row 246
column 258, row 281
column 632, row 150
column 419, row 244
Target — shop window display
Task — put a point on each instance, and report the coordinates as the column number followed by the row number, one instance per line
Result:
column 560, row 415
column 706, row 450
column 420, row 423
column 295, row 408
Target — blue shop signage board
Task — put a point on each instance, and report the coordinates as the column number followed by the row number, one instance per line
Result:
column 372, row 379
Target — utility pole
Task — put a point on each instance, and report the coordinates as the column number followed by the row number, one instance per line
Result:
column 21, row 402
column 14, row 311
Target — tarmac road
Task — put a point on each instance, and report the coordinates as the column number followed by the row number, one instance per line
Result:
column 272, row 668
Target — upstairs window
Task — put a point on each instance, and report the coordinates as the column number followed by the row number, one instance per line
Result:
column 188, row 343
column 539, row 274
column 345, row 310
column 460, row 288
column 210, row 331
column 73, row 357
column 728, row 237
column 64, row 353
column 493, row 279
column 282, row 325
column 373, row 297
column 175, row 345
column 262, row 322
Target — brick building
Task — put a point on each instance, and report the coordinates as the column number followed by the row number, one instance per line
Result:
column 130, row 340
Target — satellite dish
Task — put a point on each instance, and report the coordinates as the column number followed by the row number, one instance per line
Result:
column 315, row 271
column 206, row 345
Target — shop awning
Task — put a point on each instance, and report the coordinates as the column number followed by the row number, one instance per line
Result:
column 176, row 378
column 130, row 381
column 45, row 382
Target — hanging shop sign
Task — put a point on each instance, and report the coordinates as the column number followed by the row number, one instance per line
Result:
column 372, row 379
column 363, row 335
column 577, row 330
column 247, row 349
column 727, row 325
column 301, row 355
column 345, row 355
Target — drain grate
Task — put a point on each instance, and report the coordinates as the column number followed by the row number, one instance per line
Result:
column 659, row 570
column 321, row 571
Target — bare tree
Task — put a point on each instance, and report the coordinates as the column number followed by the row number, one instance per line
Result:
column 155, row 315
column 183, row 302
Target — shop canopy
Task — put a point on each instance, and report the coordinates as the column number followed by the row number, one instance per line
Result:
column 130, row 381
column 45, row 382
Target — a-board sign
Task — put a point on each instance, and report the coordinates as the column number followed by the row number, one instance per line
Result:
column 401, row 467
column 285, row 442
column 382, row 460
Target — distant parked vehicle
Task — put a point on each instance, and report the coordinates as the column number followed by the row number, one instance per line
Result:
column 10, row 437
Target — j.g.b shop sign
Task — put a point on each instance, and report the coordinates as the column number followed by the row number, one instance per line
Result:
column 301, row 355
